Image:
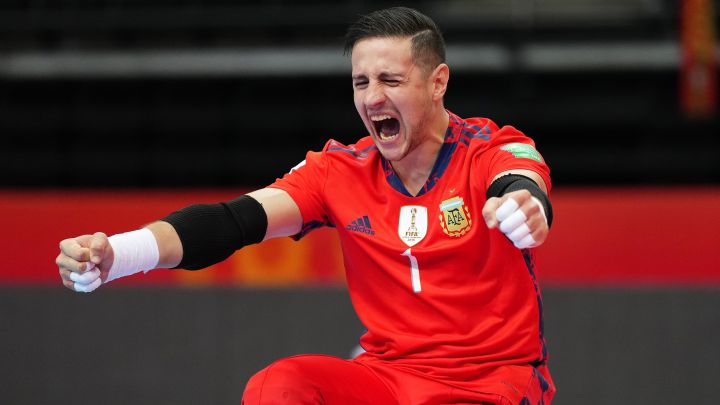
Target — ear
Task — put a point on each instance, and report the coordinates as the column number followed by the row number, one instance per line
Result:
column 440, row 77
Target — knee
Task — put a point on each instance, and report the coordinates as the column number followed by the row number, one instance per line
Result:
column 283, row 382
column 253, row 388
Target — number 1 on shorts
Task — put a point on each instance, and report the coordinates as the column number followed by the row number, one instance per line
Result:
column 414, row 271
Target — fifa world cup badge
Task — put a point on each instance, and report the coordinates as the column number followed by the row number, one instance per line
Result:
column 455, row 217
column 413, row 224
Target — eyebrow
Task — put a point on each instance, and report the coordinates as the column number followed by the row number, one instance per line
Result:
column 385, row 75
column 382, row 75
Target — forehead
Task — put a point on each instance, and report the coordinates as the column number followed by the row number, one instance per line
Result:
column 381, row 53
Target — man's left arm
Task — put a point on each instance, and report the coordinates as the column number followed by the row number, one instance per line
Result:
column 518, row 205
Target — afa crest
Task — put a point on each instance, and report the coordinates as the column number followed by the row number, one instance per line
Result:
column 455, row 217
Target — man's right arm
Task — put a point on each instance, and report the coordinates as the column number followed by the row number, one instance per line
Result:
column 283, row 219
column 87, row 261
column 283, row 215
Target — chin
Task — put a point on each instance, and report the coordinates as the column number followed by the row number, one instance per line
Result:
column 392, row 154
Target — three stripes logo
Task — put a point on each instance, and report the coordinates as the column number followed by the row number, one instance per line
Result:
column 361, row 225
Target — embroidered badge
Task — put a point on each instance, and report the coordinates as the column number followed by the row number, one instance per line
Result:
column 455, row 217
column 522, row 150
column 412, row 226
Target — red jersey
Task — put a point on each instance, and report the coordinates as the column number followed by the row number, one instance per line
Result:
column 439, row 292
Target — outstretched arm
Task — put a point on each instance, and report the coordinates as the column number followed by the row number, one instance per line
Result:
column 205, row 233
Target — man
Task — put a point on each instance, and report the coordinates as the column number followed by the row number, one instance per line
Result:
column 452, row 307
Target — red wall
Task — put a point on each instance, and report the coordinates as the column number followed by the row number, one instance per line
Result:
column 601, row 236
column 633, row 236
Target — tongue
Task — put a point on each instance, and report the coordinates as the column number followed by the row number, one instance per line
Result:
column 390, row 127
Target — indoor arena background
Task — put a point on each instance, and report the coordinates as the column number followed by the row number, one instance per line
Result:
column 114, row 113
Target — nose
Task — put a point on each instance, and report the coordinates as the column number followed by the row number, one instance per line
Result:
column 374, row 96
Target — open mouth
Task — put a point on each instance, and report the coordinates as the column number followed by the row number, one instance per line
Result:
column 386, row 126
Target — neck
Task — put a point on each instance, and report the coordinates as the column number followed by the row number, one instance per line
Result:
column 415, row 168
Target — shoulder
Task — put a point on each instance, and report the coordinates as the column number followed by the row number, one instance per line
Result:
column 334, row 154
column 484, row 139
column 495, row 149
column 362, row 150
column 363, row 147
column 480, row 133
column 483, row 133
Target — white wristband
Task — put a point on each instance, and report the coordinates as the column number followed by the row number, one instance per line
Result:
column 134, row 252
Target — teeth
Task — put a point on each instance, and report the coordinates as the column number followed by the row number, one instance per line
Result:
column 382, row 117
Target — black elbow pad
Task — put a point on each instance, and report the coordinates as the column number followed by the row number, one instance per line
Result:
column 210, row 233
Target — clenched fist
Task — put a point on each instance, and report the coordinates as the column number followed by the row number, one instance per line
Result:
column 520, row 216
column 84, row 261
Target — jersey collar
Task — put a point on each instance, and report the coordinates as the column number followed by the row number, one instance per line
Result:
column 452, row 135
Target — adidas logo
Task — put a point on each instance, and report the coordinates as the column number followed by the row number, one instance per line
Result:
column 362, row 225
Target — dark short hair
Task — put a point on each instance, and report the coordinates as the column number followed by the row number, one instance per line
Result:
column 427, row 44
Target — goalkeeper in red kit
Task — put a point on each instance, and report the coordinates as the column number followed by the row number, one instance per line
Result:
column 437, row 217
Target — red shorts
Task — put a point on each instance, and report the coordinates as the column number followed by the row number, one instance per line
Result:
column 319, row 379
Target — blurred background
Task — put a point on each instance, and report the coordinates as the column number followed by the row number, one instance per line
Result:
column 114, row 113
